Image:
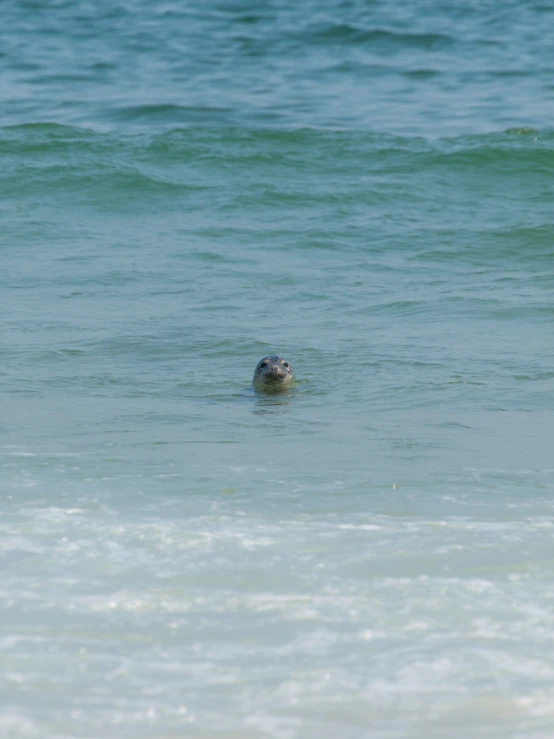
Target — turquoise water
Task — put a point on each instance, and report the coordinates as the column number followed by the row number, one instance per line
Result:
column 367, row 189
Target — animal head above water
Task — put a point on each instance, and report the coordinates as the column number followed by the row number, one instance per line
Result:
column 273, row 373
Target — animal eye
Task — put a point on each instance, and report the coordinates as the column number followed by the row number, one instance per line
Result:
column 286, row 364
column 264, row 364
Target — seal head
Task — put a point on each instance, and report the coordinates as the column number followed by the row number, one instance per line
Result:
column 273, row 373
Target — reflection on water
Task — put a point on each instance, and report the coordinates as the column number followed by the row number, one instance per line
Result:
column 272, row 401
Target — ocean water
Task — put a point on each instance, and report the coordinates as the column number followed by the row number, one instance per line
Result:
column 366, row 188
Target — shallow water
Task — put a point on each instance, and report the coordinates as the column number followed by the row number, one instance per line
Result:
column 367, row 190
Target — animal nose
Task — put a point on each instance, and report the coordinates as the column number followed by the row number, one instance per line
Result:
column 276, row 371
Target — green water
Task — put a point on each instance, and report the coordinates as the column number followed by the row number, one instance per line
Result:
column 367, row 190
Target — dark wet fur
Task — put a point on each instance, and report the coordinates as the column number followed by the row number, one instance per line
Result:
column 273, row 373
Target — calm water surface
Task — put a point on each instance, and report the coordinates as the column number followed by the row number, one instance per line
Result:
column 367, row 189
